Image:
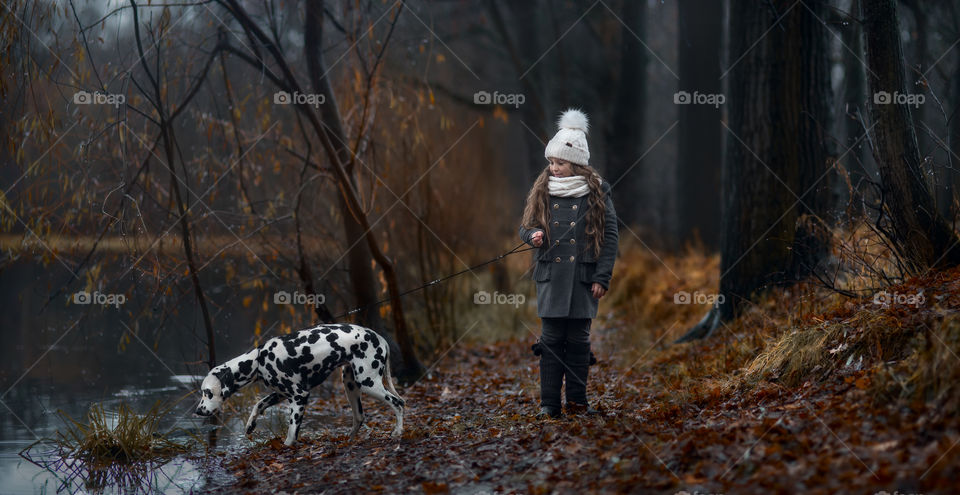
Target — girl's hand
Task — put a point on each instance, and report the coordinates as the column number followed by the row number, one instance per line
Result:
column 598, row 290
column 537, row 238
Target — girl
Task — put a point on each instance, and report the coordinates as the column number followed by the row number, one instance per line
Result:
column 569, row 215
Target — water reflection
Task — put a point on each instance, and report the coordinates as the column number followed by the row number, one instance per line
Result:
column 73, row 475
column 58, row 356
column 44, row 467
column 33, row 406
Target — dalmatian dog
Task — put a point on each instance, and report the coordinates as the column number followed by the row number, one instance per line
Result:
column 291, row 365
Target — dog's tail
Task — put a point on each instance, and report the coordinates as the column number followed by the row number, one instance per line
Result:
column 387, row 373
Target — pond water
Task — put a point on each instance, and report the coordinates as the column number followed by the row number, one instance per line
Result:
column 63, row 357
column 38, row 409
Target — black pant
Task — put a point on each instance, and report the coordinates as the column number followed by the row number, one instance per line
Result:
column 565, row 352
column 566, row 330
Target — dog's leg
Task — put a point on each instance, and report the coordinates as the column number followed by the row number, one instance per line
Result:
column 352, row 388
column 297, row 405
column 258, row 409
column 371, row 383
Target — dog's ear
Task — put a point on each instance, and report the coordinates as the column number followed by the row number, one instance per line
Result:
column 227, row 381
column 211, row 383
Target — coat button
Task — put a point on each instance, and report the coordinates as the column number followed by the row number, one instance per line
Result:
column 571, row 259
column 556, row 242
column 573, row 241
column 573, row 223
column 556, row 224
column 557, row 259
column 556, row 205
column 574, row 207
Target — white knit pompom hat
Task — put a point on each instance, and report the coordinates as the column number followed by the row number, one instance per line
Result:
column 570, row 143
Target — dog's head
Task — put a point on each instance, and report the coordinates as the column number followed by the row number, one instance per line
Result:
column 211, row 396
column 224, row 380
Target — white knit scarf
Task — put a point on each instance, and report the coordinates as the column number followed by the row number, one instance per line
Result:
column 574, row 186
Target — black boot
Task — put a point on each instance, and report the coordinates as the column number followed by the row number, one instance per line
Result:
column 551, row 379
column 576, row 370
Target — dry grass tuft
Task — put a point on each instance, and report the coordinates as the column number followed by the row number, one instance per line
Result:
column 121, row 437
column 817, row 351
column 792, row 335
column 121, row 450
column 930, row 372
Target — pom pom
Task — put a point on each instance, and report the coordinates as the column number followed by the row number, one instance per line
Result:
column 574, row 119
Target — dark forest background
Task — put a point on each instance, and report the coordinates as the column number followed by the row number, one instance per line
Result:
column 180, row 181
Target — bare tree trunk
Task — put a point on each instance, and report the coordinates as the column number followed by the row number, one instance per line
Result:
column 360, row 252
column 809, row 103
column 166, row 131
column 779, row 170
column 411, row 366
column 523, row 54
column 953, row 154
column 924, row 239
column 303, row 270
column 854, row 98
column 700, row 134
column 758, row 213
column 774, row 171
column 917, row 67
column 626, row 137
column 951, row 176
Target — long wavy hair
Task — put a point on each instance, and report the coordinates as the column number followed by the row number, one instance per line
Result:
column 536, row 213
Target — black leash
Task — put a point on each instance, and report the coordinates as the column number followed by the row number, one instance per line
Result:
column 437, row 281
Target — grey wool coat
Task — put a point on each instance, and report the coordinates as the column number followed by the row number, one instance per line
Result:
column 566, row 269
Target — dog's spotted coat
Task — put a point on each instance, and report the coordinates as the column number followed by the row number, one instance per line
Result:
column 293, row 364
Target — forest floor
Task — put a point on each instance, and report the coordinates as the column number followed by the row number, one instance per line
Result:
column 470, row 428
column 806, row 393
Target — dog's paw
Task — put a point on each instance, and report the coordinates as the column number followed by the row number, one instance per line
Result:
column 396, row 434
